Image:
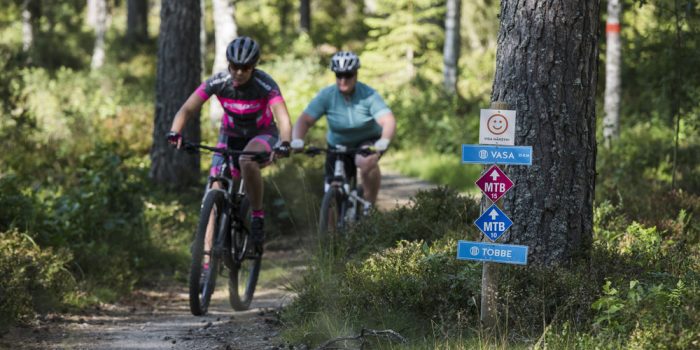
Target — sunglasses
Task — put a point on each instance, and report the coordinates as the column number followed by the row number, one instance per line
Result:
column 344, row 75
column 235, row 67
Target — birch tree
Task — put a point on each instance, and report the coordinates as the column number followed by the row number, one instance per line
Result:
column 452, row 45
column 225, row 30
column 100, row 25
column 177, row 76
column 546, row 69
column 31, row 9
column 611, row 122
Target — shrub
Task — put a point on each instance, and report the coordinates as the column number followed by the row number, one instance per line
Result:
column 33, row 279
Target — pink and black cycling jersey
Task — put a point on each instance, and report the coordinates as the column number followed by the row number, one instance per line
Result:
column 246, row 107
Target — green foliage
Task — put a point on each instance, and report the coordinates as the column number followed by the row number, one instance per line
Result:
column 388, row 282
column 635, row 175
column 428, row 216
column 405, row 40
column 650, row 315
column 32, row 278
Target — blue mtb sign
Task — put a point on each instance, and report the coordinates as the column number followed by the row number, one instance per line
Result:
column 500, row 253
column 482, row 154
column 493, row 223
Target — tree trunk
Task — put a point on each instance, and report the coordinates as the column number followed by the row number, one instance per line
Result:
column 28, row 27
column 98, row 54
column 225, row 30
column 451, row 49
column 305, row 16
column 611, row 123
column 92, row 13
column 178, row 75
column 137, row 20
column 284, row 7
column 202, row 38
column 546, row 69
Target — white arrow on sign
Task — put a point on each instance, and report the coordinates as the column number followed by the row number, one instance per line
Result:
column 493, row 214
column 494, row 175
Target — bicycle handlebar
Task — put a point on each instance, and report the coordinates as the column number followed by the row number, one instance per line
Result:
column 313, row 151
column 195, row 147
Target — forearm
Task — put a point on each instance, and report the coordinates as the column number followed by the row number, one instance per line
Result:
column 188, row 109
column 388, row 124
column 302, row 126
column 279, row 111
column 285, row 128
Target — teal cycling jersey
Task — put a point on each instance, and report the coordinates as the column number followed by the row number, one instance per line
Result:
column 351, row 121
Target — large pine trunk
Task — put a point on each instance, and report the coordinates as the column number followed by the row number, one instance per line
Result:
column 178, row 75
column 137, row 20
column 546, row 69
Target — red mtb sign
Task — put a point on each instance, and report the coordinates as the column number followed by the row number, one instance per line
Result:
column 494, row 183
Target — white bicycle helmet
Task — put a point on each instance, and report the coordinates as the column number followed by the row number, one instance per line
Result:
column 345, row 62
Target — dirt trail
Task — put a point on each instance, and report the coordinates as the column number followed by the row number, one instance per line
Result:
column 160, row 319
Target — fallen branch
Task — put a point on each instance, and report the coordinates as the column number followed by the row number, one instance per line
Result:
column 362, row 338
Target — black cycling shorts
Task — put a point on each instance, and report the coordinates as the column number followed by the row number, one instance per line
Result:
column 348, row 161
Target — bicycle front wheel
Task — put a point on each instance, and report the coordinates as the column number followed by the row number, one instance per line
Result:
column 205, row 264
column 331, row 220
column 243, row 276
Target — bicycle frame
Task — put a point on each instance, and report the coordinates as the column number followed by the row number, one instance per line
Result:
column 230, row 218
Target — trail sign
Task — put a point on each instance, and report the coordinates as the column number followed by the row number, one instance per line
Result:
column 493, row 223
column 497, row 127
column 483, row 154
column 494, row 183
column 502, row 253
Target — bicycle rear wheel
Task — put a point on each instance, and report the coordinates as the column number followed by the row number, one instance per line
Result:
column 243, row 276
column 331, row 219
column 203, row 281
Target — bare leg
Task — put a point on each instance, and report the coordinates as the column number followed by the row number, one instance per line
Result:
column 251, row 176
column 209, row 235
column 371, row 175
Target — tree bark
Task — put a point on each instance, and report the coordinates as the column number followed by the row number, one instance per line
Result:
column 137, row 20
column 202, row 37
column 284, row 7
column 305, row 16
column 546, row 68
column 611, row 122
column 225, row 30
column 29, row 21
column 451, row 48
column 178, row 75
column 98, row 54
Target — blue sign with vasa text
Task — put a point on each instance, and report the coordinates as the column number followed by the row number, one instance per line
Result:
column 483, row 154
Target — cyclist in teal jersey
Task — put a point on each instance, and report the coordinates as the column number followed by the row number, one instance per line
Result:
column 357, row 117
column 255, row 119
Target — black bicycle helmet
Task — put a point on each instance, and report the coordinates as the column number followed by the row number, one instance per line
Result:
column 345, row 62
column 243, row 51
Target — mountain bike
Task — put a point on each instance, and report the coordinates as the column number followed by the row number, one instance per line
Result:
column 343, row 201
column 228, row 210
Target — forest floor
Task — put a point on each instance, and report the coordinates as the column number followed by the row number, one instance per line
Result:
column 159, row 318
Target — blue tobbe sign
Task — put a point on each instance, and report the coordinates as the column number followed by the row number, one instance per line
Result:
column 492, row 252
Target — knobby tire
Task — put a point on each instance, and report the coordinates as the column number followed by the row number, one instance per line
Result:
column 331, row 218
column 200, row 293
column 243, row 276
